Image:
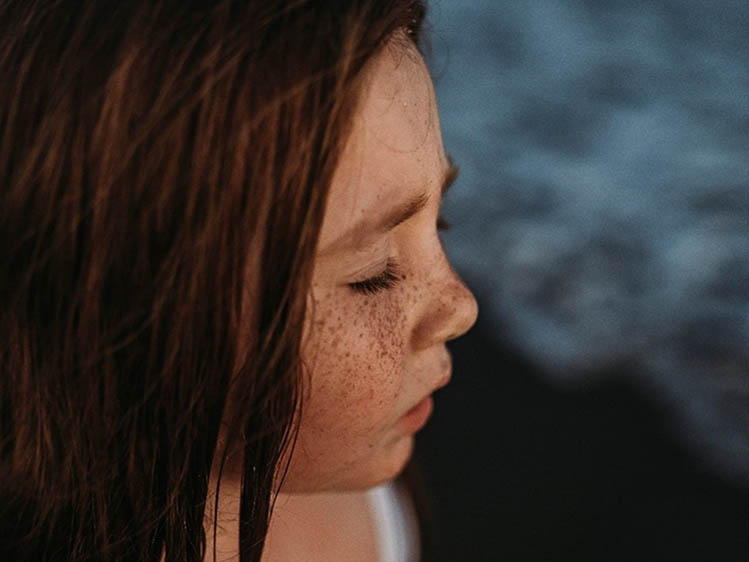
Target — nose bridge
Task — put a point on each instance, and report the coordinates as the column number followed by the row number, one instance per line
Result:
column 449, row 308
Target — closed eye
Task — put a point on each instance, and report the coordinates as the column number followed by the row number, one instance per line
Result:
column 389, row 277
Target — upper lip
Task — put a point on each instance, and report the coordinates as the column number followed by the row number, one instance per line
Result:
column 444, row 379
column 447, row 376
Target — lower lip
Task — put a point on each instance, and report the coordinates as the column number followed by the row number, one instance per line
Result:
column 417, row 417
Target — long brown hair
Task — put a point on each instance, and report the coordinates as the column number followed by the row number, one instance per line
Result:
column 160, row 161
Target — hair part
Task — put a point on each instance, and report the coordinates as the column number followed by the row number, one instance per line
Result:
column 159, row 162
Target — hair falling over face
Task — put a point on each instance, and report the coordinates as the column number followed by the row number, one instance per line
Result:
column 164, row 168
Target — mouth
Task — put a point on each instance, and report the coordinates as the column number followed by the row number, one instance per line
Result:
column 444, row 380
column 416, row 418
column 448, row 370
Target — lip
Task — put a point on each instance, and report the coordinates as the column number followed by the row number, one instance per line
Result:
column 416, row 418
column 445, row 379
column 448, row 373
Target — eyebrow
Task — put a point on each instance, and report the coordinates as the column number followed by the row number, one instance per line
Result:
column 411, row 207
column 400, row 213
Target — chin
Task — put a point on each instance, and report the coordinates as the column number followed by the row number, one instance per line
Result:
column 388, row 466
column 380, row 468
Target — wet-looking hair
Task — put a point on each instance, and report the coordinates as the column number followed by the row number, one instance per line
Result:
column 164, row 167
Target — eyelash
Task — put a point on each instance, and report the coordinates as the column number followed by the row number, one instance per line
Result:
column 382, row 281
column 391, row 275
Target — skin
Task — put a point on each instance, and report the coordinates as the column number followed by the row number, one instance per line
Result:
column 369, row 358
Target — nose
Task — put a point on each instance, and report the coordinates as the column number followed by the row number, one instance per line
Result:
column 449, row 311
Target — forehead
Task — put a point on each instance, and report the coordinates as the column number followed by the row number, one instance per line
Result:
column 395, row 148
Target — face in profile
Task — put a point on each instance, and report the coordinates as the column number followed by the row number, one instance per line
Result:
column 384, row 298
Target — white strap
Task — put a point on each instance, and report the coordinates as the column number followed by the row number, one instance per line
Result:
column 396, row 524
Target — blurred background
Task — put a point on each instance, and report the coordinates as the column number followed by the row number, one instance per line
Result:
column 599, row 410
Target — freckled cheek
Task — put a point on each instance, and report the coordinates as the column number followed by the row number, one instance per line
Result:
column 359, row 350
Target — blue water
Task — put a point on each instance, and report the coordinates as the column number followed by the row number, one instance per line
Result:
column 602, row 210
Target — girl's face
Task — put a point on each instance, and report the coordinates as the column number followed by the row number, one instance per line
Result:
column 384, row 298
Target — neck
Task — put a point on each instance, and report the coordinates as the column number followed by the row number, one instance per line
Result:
column 330, row 526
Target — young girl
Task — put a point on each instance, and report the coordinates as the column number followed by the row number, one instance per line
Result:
column 222, row 284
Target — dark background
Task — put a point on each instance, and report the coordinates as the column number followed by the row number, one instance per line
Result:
column 599, row 410
column 520, row 470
